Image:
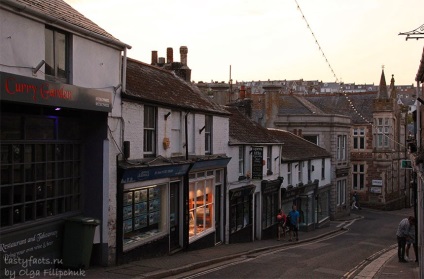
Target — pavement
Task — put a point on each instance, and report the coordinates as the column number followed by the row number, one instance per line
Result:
column 384, row 266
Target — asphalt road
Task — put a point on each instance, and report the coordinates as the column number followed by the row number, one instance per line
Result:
column 339, row 256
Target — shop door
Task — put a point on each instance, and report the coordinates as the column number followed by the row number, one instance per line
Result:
column 218, row 214
column 174, row 209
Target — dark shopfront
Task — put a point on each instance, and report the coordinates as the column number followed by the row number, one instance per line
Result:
column 48, row 133
column 304, row 197
column 241, row 214
column 270, row 190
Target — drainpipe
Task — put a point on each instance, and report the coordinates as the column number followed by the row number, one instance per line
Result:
column 124, row 71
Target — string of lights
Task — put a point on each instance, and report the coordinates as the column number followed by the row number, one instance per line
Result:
column 337, row 79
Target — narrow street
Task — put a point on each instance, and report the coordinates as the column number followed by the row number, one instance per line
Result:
column 338, row 256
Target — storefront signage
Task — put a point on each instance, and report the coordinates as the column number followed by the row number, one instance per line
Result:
column 145, row 173
column 23, row 89
column 377, row 182
column 406, row 164
column 210, row 163
column 268, row 187
column 342, row 172
column 35, row 248
column 375, row 190
column 257, row 163
column 242, row 191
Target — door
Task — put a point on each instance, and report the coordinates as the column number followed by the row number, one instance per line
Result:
column 218, row 214
column 174, row 218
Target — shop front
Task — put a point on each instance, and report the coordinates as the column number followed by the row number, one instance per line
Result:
column 205, row 211
column 241, row 214
column 149, row 209
column 304, row 197
column 50, row 134
column 270, row 191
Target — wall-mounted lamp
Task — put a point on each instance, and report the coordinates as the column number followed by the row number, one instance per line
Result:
column 201, row 130
column 167, row 115
column 38, row 67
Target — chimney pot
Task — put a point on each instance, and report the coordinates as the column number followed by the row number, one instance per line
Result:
column 169, row 55
column 154, row 57
column 161, row 61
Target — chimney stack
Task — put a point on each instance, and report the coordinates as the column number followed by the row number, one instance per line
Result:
column 169, row 55
column 242, row 92
column 154, row 57
column 183, row 54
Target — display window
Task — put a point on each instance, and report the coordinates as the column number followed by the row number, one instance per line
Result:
column 143, row 214
column 240, row 213
column 40, row 168
column 201, row 203
column 269, row 209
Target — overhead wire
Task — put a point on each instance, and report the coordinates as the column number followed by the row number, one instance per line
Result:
column 337, row 79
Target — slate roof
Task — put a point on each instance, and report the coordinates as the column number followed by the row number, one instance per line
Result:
column 155, row 85
column 331, row 104
column 243, row 130
column 296, row 148
column 339, row 104
column 60, row 10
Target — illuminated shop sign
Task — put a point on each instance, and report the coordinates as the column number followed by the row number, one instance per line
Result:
column 23, row 89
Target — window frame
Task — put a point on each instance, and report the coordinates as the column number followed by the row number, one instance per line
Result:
column 241, row 167
column 208, row 134
column 149, row 132
column 358, row 138
column 358, row 176
column 341, row 192
column 56, row 55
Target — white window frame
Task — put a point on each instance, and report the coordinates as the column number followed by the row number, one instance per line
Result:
column 208, row 134
column 341, row 147
column 241, row 161
column 149, row 131
column 300, row 172
column 341, row 192
column 382, row 132
column 289, row 173
column 269, row 160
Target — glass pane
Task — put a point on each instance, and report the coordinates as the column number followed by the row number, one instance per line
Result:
column 30, row 192
column 60, row 54
column 50, row 207
column 18, row 194
column 18, row 173
column 10, row 127
column 39, row 153
column 6, row 157
column 49, row 53
column 5, row 216
column 18, row 152
column 40, row 191
column 29, row 211
column 17, row 214
column 40, row 171
column 40, row 207
column 50, row 189
column 6, row 195
column 6, row 175
column 40, row 128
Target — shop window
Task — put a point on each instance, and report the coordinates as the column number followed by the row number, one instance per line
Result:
column 56, row 55
column 143, row 213
column 201, row 204
column 322, row 212
column 269, row 209
column 40, row 171
column 240, row 213
column 149, row 142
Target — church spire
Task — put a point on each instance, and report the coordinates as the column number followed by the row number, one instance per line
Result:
column 392, row 89
column 382, row 88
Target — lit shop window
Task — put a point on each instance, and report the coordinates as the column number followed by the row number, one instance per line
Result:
column 201, row 201
column 143, row 214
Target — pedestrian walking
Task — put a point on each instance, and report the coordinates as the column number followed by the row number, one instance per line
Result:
column 356, row 201
column 294, row 223
column 411, row 242
column 403, row 234
column 282, row 224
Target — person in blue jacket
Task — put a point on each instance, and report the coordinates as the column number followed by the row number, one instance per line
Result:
column 294, row 223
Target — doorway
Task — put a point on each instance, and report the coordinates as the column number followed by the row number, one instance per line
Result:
column 174, row 216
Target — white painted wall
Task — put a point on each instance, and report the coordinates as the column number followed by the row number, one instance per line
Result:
column 21, row 44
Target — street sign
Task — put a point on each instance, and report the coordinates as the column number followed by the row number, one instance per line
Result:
column 406, row 164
